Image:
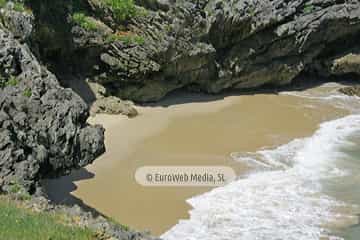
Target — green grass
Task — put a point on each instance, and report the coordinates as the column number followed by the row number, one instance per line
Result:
column 18, row 6
column 12, row 81
column 252, row 10
column 122, row 9
column 18, row 191
column 127, row 39
column 27, row 92
column 308, row 8
column 141, row 11
column 84, row 21
column 3, row 3
column 22, row 224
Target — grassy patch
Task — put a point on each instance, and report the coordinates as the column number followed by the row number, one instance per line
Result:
column 122, row 9
column 126, row 37
column 308, row 8
column 12, row 81
column 84, row 21
column 18, row 191
column 252, row 10
column 27, row 92
column 142, row 12
column 22, row 224
column 2, row 3
column 18, row 6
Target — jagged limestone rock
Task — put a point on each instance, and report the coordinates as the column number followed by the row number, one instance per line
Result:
column 229, row 45
column 43, row 129
column 351, row 91
column 109, row 104
column 212, row 46
column 19, row 23
column 349, row 63
column 113, row 105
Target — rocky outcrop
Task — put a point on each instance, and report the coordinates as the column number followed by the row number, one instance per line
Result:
column 19, row 23
column 43, row 129
column 272, row 42
column 109, row 104
column 113, row 105
column 351, row 91
column 344, row 64
column 172, row 55
column 217, row 45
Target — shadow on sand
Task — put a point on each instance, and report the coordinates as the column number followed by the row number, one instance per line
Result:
column 182, row 96
column 59, row 190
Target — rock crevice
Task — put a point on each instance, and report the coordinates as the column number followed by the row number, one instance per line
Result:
column 43, row 129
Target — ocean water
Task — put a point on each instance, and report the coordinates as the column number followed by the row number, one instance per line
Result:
column 307, row 189
column 346, row 188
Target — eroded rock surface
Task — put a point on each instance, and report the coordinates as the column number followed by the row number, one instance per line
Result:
column 347, row 63
column 109, row 104
column 113, row 105
column 213, row 45
column 351, row 91
column 43, row 129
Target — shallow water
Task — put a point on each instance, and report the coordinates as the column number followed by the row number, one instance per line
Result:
column 286, row 197
column 305, row 189
column 346, row 188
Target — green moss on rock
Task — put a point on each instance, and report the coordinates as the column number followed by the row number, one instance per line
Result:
column 84, row 21
column 122, row 9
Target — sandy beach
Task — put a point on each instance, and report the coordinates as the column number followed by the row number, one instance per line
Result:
column 201, row 131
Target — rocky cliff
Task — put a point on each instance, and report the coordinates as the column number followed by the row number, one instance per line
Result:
column 201, row 45
column 43, row 129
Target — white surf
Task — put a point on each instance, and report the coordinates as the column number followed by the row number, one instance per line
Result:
column 282, row 199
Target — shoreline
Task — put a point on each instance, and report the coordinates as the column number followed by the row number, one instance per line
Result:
column 160, row 136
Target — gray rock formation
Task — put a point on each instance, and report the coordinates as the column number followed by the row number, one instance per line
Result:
column 110, row 104
column 113, row 105
column 43, row 129
column 19, row 23
column 346, row 63
column 351, row 91
column 217, row 45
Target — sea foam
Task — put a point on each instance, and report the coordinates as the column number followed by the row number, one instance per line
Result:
column 282, row 200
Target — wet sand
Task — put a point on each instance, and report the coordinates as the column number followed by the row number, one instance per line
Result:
column 202, row 132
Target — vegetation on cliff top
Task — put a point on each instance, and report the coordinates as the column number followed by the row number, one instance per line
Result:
column 11, row 81
column 18, row 223
column 125, row 37
column 122, row 9
column 17, row 5
column 84, row 21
